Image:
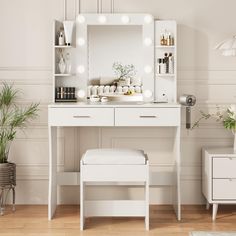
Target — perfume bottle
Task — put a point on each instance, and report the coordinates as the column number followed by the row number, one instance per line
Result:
column 171, row 63
column 61, row 37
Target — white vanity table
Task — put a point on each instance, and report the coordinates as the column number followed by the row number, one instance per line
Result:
column 86, row 59
column 110, row 114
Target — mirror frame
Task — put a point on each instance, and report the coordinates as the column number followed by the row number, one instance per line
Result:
column 144, row 20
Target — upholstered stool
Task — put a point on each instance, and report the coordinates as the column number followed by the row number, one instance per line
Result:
column 114, row 165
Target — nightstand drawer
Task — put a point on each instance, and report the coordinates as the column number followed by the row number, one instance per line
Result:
column 81, row 116
column 147, row 116
column 224, row 189
column 224, row 167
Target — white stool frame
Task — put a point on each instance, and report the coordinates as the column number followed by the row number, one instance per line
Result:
column 114, row 173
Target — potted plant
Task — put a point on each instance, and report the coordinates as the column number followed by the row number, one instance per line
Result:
column 124, row 73
column 12, row 118
column 227, row 116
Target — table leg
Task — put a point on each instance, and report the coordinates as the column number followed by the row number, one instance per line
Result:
column 52, row 193
column 176, row 176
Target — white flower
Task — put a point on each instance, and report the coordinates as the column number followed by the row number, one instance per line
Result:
column 232, row 110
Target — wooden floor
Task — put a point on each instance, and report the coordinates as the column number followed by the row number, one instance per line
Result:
column 32, row 220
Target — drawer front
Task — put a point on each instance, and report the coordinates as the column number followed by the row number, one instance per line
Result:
column 147, row 116
column 224, row 167
column 81, row 116
column 224, row 189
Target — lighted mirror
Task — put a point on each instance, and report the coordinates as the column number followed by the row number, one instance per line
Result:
column 110, row 43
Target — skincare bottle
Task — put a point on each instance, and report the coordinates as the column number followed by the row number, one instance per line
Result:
column 163, row 66
column 61, row 37
column 166, row 60
column 159, row 66
column 171, row 63
column 162, row 40
column 168, row 39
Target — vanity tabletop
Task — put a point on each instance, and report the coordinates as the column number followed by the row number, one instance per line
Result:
column 115, row 104
column 219, row 151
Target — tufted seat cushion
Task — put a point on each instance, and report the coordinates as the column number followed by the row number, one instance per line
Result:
column 108, row 156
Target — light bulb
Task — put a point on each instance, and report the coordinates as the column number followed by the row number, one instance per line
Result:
column 102, row 19
column 81, row 19
column 81, row 93
column 81, row 69
column 148, row 69
column 147, row 41
column 147, row 93
column 148, row 19
column 125, row 19
column 81, row 41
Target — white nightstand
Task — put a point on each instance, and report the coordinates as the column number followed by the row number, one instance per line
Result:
column 218, row 177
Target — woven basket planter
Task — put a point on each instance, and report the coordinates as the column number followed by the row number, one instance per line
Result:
column 7, row 183
column 7, row 174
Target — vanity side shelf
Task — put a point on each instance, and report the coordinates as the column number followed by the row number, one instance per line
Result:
column 166, row 83
column 64, row 85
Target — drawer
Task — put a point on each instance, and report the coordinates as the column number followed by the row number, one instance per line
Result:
column 81, row 116
column 147, row 116
column 224, row 189
column 224, row 167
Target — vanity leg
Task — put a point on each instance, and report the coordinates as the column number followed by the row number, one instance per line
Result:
column 52, row 192
column 214, row 211
column 207, row 205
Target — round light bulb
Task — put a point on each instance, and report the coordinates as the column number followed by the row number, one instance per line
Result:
column 81, row 19
column 81, row 41
column 148, row 69
column 81, row 69
column 81, row 93
column 147, row 93
column 147, row 41
column 102, row 19
column 148, row 19
column 125, row 19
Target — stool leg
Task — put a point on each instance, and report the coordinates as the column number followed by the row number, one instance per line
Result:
column 82, row 218
column 147, row 202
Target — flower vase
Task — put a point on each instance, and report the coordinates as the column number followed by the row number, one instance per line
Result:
column 62, row 66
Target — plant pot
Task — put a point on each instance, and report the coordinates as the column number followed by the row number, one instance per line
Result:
column 7, row 174
column 7, row 183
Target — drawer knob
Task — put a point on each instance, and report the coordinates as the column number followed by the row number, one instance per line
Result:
column 81, row 116
column 147, row 116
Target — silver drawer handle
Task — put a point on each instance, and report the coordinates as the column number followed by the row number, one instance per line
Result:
column 147, row 116
column 81, row 116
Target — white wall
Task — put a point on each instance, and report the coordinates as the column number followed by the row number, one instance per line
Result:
column 26, row 56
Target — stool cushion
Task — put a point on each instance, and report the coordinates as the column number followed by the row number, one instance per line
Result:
column 108, row 156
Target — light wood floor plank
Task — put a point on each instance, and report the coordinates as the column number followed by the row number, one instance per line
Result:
column 32, row 221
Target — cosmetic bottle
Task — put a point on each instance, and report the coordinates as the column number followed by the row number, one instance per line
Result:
column 171, row 63
column 168, row 42
column 159, row 66
column 163, row 66
column 162, row 39
column 61, row 37
column 166, row 60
